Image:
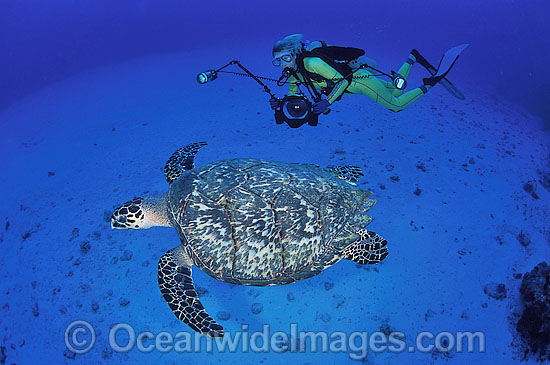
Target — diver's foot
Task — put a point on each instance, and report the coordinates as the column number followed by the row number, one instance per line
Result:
column 431, row 81
column 420, row 59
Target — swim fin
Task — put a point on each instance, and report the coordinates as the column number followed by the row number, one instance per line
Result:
column 449, row 58
column 445, row 65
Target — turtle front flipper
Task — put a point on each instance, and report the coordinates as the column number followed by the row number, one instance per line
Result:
column 370, row 248
column 351, row 174
column 176, row 286
column 181, row 160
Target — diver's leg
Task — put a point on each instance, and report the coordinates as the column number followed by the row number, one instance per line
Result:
column 389, row 85
column 405, row 70
column 376, row 90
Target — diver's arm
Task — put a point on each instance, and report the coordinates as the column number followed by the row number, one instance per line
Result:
column 320, row 67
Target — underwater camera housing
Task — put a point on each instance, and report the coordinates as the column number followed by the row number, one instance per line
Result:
column 295, row 110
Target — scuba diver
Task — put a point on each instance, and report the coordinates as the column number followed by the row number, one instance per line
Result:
column 311, row 63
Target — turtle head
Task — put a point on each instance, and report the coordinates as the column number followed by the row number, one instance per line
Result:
column 140, row 213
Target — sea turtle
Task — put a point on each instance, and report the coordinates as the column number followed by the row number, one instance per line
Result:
column 252, row 222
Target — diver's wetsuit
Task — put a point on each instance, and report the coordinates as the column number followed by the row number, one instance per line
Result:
column 364, row 83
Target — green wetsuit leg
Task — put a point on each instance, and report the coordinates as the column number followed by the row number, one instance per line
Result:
column 405, row 70
column 375, row 89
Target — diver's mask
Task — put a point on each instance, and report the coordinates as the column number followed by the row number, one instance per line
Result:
column 286, row 58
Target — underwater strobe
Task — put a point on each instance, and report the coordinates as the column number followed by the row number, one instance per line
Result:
column 208, row 75
column 398, row 81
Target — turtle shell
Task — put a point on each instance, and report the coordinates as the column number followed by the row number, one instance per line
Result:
column 258, row 222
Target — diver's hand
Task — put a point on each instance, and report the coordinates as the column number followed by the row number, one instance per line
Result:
column 320, row 106
column 274, row 103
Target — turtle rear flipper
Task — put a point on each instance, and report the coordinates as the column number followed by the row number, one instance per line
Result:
column 369, row 249
column 351, row 174
column 176, row 286
column 181, row 160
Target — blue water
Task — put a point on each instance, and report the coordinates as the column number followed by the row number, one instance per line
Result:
column 95, row 97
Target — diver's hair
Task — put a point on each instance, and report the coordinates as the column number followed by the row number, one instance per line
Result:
column 291, row 43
